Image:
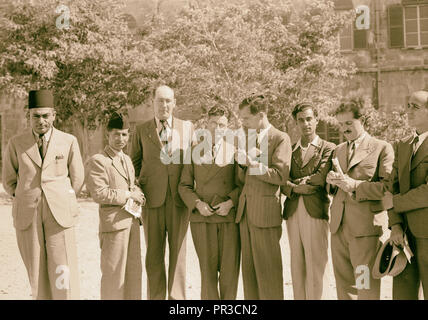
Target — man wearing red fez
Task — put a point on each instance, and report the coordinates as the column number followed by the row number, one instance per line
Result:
column 43, row 172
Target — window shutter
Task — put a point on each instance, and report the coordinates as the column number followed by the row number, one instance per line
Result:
column 360, row 39
column 395, row 27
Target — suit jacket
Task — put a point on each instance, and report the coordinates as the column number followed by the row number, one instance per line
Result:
column 261, row 194
column 60, row 177
column 107, row 182
column 409, row 184
column 154, row 169
column 315, row 165
column 206, row 180
column 371, row 165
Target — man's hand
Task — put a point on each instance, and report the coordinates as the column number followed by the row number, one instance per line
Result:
column 138, row 195
column 305, row 189
column 397, row 235
column 333, row 178
column 347, row 184
column 204, row 209
column 387, row 200
column 222, row 209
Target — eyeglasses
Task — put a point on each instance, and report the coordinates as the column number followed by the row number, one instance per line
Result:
column 413, row 106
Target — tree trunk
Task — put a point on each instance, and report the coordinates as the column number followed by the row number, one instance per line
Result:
column 82, row 134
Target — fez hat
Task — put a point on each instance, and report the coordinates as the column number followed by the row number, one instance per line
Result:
column 390, row 261
column 40, row 99
column 117, row 121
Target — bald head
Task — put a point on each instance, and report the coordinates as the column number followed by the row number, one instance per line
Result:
column 163, row 102
column 163, row 89
column 417, row 111
column 419, row 98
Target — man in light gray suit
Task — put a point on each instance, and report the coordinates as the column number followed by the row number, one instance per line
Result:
column 43, row 172
column 110, row 180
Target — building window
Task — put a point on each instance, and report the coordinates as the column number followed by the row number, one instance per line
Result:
column 416, row 26
column 408, row 24
column 351, row 38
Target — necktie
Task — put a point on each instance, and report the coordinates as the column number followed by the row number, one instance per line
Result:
column 351, row 150
column 42, row 144
column 414, row 145
column 164, row 137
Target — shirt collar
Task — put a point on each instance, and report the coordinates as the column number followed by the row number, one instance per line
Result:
column 314, row 142
column 358, row 140
column 422, row 137
column 46, row 136
column 263, row 132
column 115, row 152
column 168, row 121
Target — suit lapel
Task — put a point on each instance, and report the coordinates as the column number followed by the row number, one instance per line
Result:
column 341, row 156
column 361, row 152
column 220, row 160
column 153, row 134
column 420, row 154
column 50, row 153
column 131, row 176
column 116, row 162
column 31, row 148
column 404, row 155
column 312, row 150
column 297, row 156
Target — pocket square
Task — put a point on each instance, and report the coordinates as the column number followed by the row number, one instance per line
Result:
column 59, row 157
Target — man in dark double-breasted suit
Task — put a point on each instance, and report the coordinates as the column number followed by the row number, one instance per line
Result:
column 210, row 190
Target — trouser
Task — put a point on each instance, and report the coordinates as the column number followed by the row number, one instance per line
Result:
column 261, row 261
column 121, row 265
column 353, row 259
column 308, row 238
column 50, row 256
column 406, row 285
column 218, row 248
column 158, row 222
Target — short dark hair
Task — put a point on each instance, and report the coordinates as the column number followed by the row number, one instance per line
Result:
column 301, row 107
column 355, row 106
column 257, row 103
column 218, row 110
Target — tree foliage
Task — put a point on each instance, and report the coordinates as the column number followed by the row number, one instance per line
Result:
column 213, row 51
column 225, row 50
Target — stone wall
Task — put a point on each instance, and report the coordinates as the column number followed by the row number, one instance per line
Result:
column 402, row 70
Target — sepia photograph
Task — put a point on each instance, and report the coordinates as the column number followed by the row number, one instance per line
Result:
column 214, row 150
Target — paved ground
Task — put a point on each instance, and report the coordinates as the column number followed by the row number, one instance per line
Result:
column 14, row 283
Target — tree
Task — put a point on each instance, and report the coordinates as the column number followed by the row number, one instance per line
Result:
column 94, row 66
column 221, row 51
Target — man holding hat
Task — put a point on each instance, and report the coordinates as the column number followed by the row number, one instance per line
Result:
column 110, row 180
column 409, row 185
column 43, row 172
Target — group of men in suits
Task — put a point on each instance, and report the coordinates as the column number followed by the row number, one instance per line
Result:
column 231, row 197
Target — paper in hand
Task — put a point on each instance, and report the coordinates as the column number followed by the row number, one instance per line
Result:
column 336, row 166
column 132, row 207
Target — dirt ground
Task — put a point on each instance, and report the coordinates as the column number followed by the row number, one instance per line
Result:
column 14, row 283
